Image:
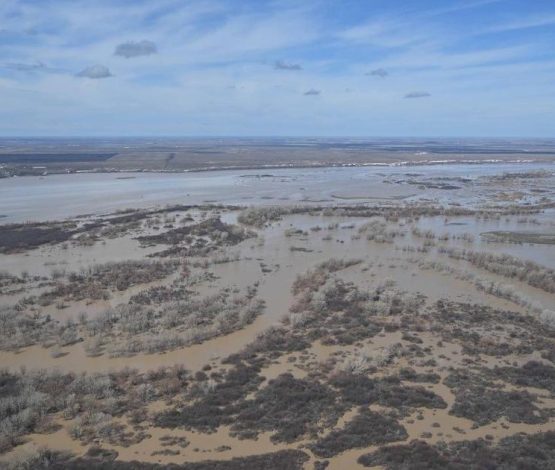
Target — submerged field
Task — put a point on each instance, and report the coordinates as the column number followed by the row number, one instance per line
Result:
column 392, row 319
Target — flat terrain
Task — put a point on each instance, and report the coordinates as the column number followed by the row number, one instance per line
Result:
column 57, row 155
column 346, row 318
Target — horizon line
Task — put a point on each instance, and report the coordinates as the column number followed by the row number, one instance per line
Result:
column 223, row 136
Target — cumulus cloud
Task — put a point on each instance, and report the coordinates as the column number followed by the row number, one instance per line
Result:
column 418, row 94
column 312, row 92
column 382, row 73
column 95, row 71
column 132, row 49
column 282, row 65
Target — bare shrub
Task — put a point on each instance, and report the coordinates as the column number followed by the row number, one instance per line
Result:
column 260, row 216
column 508, row 266
column 378, row 231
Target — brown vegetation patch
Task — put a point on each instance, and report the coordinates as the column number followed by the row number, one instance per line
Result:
column 517, row 452
column 98, row 280
column 481, row 400
column 366, row 429
column 508, row 266
column 21, row 237
column 532, row 374
column 284, row 459
column 356, row 389
column 519, row 237
column 197, row 239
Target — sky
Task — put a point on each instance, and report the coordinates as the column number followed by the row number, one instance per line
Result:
column 434, row 68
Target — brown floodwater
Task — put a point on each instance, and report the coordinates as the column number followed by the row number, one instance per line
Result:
column 380, row 261
column 270, row 262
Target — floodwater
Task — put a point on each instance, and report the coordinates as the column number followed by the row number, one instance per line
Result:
column 270, row 262
column 380, row 261
column 62, row 196
column 457, row 226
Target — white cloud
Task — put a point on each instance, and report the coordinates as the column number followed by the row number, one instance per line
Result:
column 95, row 72
column 132, row 49
column 206, row 46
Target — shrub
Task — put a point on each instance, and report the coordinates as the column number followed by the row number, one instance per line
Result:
column 366, row 429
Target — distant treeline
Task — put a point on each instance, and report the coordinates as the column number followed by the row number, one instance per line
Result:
column 27, row 158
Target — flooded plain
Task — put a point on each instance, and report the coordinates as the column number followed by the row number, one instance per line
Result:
column 61, row 196
column 331, row 303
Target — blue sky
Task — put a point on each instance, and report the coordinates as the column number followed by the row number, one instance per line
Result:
column 260, row 67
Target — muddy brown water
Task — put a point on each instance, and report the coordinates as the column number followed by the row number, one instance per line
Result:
column 272, row 251
column 381, row 261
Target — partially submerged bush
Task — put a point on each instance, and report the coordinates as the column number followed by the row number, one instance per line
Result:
column 508, row 266
column 97, row 281
column 260, row 216
column 536, row 451
column 45, row 459
column 480, row 399
column 362, row 390
column 291, row 407
column 379, row 231
column 365, row 429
